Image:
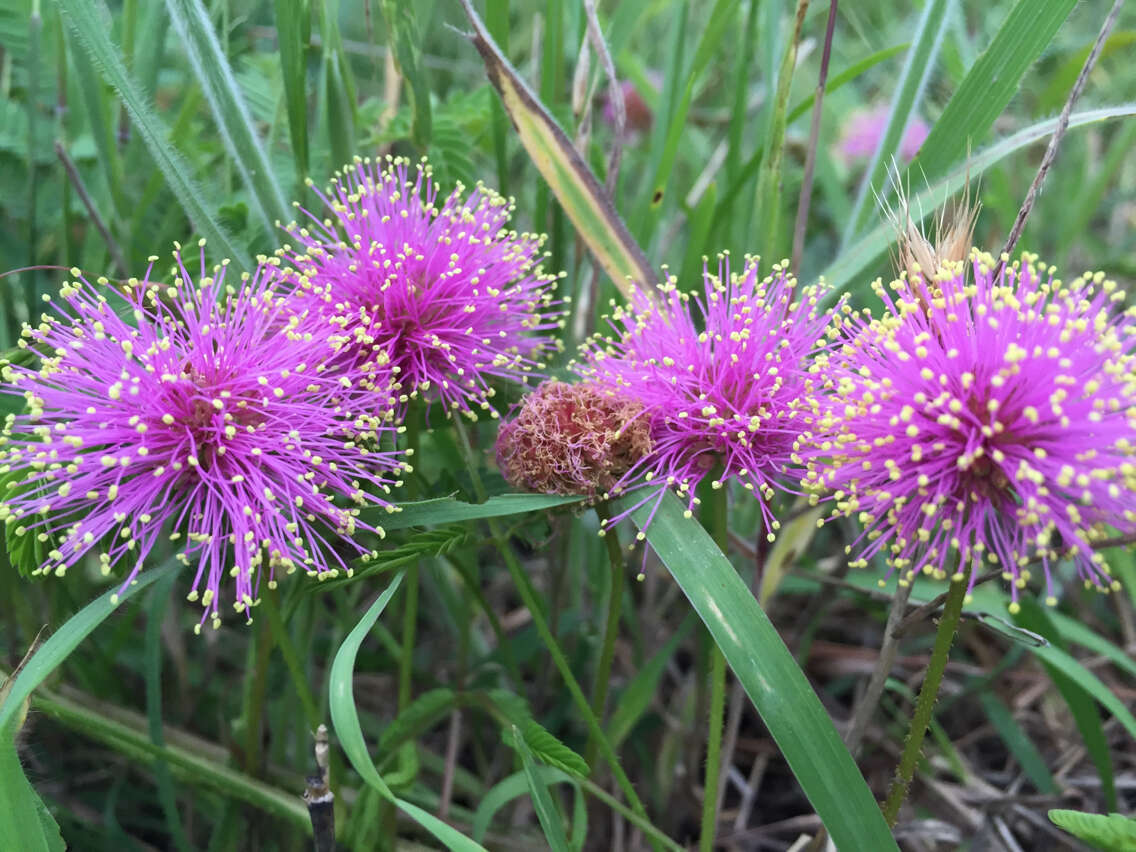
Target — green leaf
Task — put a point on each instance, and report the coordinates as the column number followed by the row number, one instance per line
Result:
column 1062, row 661
column 340, row 107
column 25, row 822
column 196, row 762
column 990, row 84
column 77, row 628
column 551, row 751
column 291, row 36
column 447, row 510
column 546, row 812
column 770, row 676
column 345, row 719
column 576, row 188
column 867, row 249
column 92, row 34
column 211, row 68
column 1018, row 742
column 1075, row 631
column 25, row 551
column 1112, row 833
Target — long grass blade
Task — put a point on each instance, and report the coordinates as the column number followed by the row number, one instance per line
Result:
column 776, row 685
column 215, row 76
column 88, row 27
column 990, row 84
column 869, row 248
column 576, row 188
column 345, row 718
column 291, row 15
column 909, row 91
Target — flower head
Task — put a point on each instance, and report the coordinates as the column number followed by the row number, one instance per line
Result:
column 723, row 379
column 990, row 420
column 572, row 439
column 444, row 295
column 193, row 411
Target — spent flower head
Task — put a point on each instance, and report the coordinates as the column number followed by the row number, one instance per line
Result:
column 984, row 421
column 193, row 411
column 572, row 439
column 723, row 378
column 442, row 295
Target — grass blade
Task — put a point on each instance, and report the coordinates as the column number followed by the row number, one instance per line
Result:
column 909, row 91
column 402, row 35
column 867, row 249
column 1019, row 743
column 91, row 94
column 576, row 188
column 776, row 685
column 291, row 16
column 77, row 628
column 1078, row 686
column 447, row 510
column 990, row 83
column 194, row 29
column 89, row 30
column 768, row 201
column 722, row 15
column 345, row 719
column 24, row 819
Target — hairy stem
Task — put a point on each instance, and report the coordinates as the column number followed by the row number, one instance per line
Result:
column 925, row 705
column 611, row 630
column 714, row 517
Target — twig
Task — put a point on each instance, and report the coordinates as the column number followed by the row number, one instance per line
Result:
column 320, row 799
column 928, row 609
column 615, row 92
column 1058, row 135
column 85, row 197
column 866, row 707
column 453, row 739
column 814, row 135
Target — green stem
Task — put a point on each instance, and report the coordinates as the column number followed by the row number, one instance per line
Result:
column 611, row 629
column 928, row 693
column 715, row 518
column 291, row 658
column 195, row 761
column 529, row 598
column 259, row 652
column 409, row 628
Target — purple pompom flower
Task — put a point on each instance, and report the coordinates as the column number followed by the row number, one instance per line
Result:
column 197, row 412
column 445, row 295
column 723, row 378
column 984, row 421
column 865, row 128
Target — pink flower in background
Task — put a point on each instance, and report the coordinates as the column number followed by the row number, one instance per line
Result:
column 865, row 128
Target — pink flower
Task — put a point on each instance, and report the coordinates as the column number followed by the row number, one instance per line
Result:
column 193, row 411
column 985, row 423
